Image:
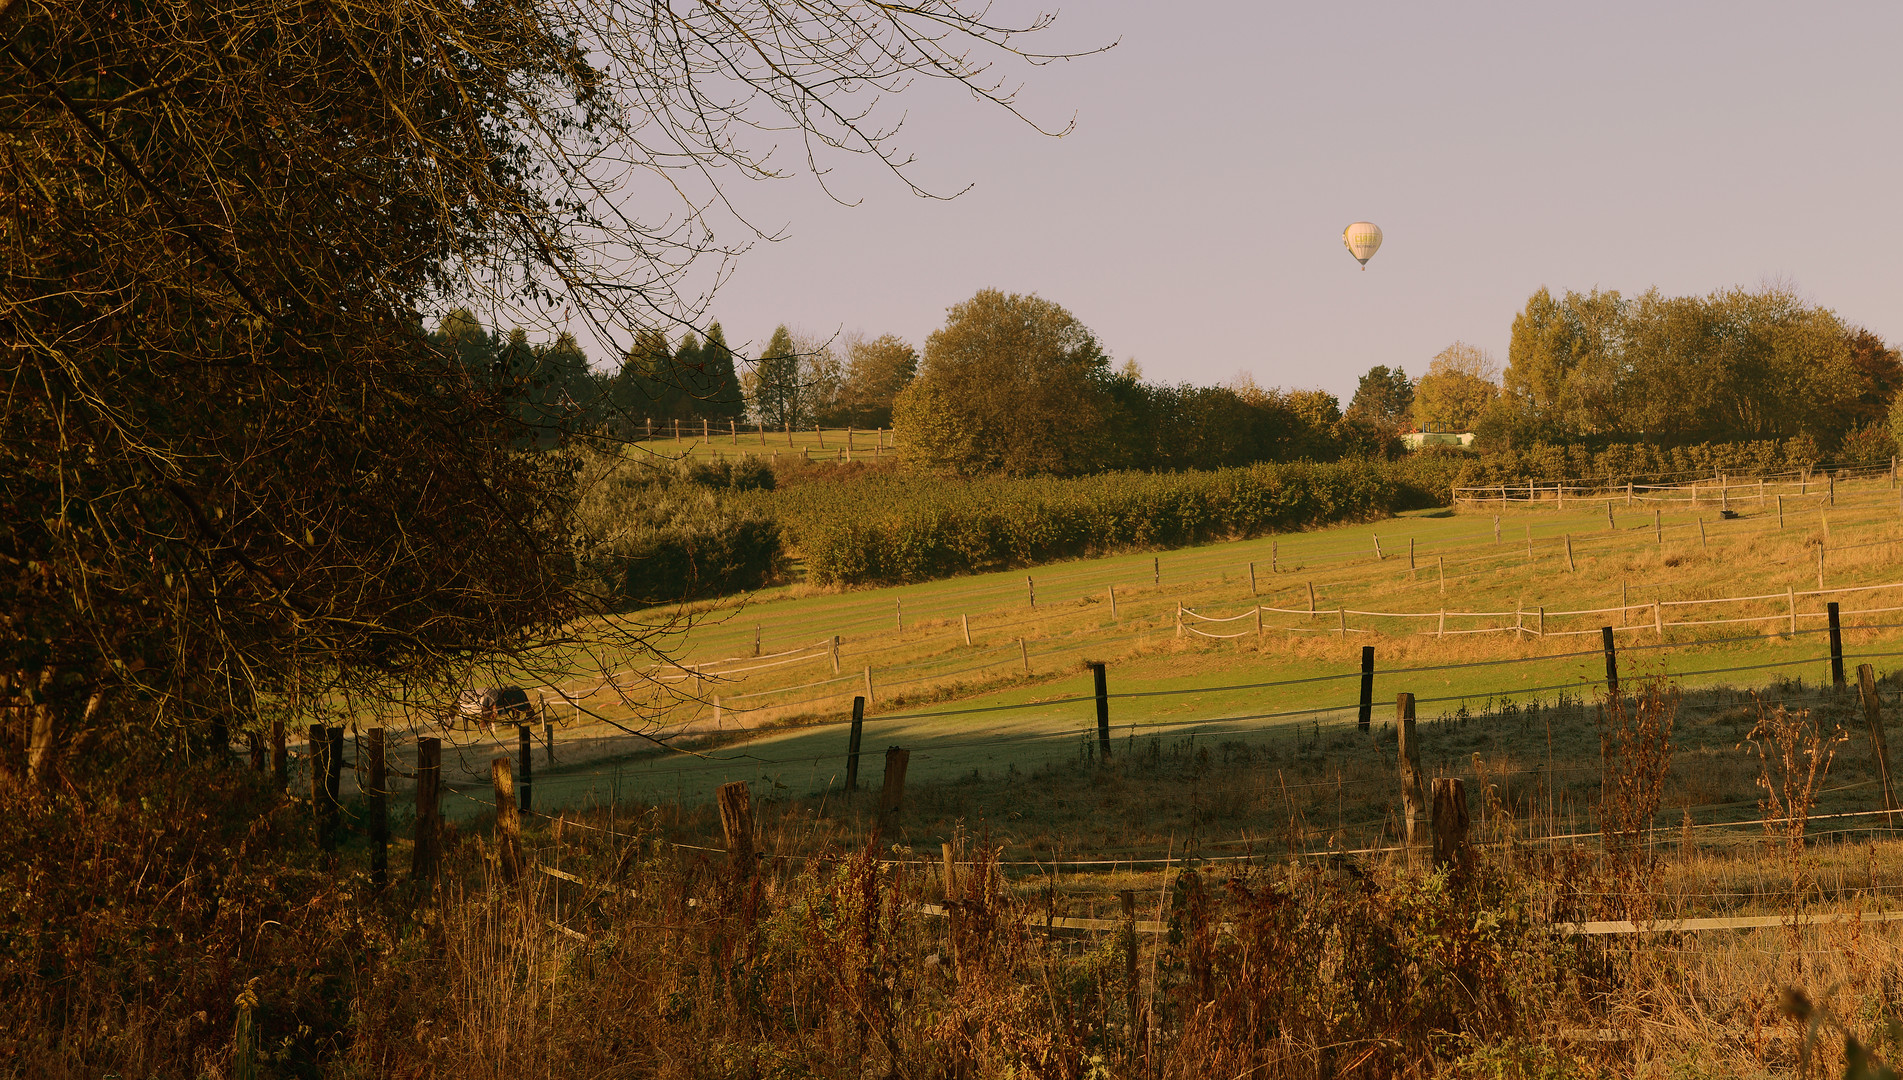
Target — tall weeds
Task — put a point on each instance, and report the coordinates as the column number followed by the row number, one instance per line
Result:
column 1635, row 741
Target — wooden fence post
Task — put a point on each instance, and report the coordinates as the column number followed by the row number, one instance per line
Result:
column 1780, row 511
column 892, row 794
column 379, row 811
column 1275, row 557
column 898, row 614
column 1030, row 587
column 1703, row 543
column 1873, row 712
column 1311, row 601
column 736, row 821
column 1156, row 570
column 1450, row 825
column 1612, row 659
column 1113, row 607
column 548, row 742
column 1790, row 597
column 1658, row 527
column 964, row 621
column 1258, row 626
column 1820, row 567
column 1440, row 563
column 1377, row 548
column 1024, row 655
column 870, row 700
column 429, row 813
column 832, row 649
column 1365, row 717
column 1570, row 568
column 1410, row 558
column 280, row 763
column 852, row 743
column 1252, row 591
column 333, row 784
column 1496, row 520
column 1610, row 527
column 508, row 823
column 1836, row 646
column 525, row 752
column 1409, row 761
column 1103, row 708
column 1658, row 620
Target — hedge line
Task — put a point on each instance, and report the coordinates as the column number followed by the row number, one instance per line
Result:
column 1638, row 463
column 886, row 529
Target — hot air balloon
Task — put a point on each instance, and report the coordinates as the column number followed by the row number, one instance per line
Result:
column 1362, row 239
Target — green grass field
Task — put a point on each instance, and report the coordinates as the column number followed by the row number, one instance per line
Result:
column 781, row 726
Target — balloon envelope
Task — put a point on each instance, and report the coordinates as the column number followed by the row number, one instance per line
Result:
column 1362, row 239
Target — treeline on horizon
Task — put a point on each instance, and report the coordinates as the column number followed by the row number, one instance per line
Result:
column 1016, row 403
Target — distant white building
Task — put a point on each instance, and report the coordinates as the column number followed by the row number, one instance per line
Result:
column 1417, row 439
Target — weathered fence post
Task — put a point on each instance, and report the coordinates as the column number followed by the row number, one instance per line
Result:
column 852, row 743
column 1702, row 542
column 1410, row 558
column 1156, row 570
column 1450, row 825
column 1612, row 659
column 1377, row 548
column 379, row 795
column 1790, row 597
column 898, row 614
column 1570, row 568
column 1030, row 587
column 280, row 763
column 1836, row 646
column 1610, row 527
column 429, row 813
column 1311, row 601
column 548, row 741
column 1113, row 610
column 1880, row 747
column 525, row 752
column 870, row 700
column 964, row 621
column 1820, row 567
column 1440, row 563
column 1252, row 591
column 832, row 649
column 892, row 793
column 508, row 823
column 1103, row 708
column 1365, row 718
column 1024, row 655
column 1408, row 759
column 1780, row 511
column 736, row 821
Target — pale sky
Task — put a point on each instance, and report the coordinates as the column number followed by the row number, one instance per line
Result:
column 1193, row 219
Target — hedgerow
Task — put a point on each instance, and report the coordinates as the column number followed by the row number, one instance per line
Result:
column 881, row 528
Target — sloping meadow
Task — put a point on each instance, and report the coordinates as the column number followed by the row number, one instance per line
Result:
column 892, row 527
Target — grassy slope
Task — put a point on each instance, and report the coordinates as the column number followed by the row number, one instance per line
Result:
column 1072, row 623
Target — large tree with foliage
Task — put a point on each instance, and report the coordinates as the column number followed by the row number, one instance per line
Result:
column 233, row 465
column 1457, row 390
column 1011, row 383
column 1384, row 398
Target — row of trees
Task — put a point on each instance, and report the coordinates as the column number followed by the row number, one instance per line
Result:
column 797, row 381
column 1016, row 384
column 1737, row 364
